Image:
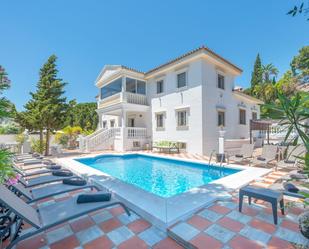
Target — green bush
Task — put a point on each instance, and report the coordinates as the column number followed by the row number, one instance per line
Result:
column 36, row 147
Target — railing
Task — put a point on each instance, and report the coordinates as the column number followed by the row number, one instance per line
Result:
column 135, row 132
column 100, row 139
column 135, row 98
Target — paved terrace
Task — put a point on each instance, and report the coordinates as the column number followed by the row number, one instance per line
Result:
column 217, row 226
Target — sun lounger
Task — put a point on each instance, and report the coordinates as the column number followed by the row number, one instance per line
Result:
column 47, row 191
column 245, row 154
column 42, row 180
column 49, row 216
column 268, row 157
column 291, row 160
column 33, row 172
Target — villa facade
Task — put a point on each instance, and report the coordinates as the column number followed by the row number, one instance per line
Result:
column 186, row 100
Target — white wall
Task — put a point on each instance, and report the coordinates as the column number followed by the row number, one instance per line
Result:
column 215, row 99
column 171, row 98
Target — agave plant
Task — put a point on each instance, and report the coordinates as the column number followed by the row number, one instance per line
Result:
column 294, row 114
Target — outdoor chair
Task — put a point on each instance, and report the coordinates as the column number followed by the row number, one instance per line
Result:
column 34, row 172
column 48, row 190
column 245, row 155
column 40, row 180
column 291, row 159
column 45, row 217
column 268, row 157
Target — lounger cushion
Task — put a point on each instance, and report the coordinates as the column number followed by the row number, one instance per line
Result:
column 49, row 163
column 96, row 197
column 53, row 167
column 67, row 208
column 75, row 181
column 261, row 158
column 239, row 155
column 290, row 187
column 289, row 161
column 62, row 173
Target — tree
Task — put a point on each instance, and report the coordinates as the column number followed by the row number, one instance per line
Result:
column 257, row 74
column 51, row 102
column 287, row 85
column 83, row 115
column 6, row 169
column 300, row 65
column 269, row 70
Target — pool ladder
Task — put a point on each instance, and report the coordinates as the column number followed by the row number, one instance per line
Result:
column 221, row 162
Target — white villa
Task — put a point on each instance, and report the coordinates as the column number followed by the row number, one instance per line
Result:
column 186, row 100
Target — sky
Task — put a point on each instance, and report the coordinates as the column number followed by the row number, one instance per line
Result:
column 86, row 35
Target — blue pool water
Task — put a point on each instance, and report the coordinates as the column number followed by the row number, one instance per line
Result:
column 160, row 176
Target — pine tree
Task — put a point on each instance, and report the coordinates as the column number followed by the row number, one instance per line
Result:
column 50, row 99
column 257, row 74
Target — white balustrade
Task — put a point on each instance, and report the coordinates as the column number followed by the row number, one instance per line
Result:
column 99, row 139
column 135, row 98
column 136, row 132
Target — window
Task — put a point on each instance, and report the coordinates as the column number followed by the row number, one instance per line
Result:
column 131, row 122
column 242, row 116
column 111, row 89
column 220, row 81
column 181, row 80
column 159, row 120
column 254, row 116
column 221, row 118
column 181, row 118
column 104, row 124
column 112, row 123
column 159, row 86
column 135, row 86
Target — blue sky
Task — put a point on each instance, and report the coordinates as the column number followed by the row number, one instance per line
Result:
column 85, row 35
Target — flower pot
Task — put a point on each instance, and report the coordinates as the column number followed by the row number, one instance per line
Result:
column 304, row 224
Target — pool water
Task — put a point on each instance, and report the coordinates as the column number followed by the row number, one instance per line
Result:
column 160, row 176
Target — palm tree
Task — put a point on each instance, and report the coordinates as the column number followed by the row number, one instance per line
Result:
column 268, row 71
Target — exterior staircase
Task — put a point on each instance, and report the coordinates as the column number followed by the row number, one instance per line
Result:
column 101, row 139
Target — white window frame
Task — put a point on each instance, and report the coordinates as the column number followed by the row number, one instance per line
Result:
column 224, row 77
column 239, row 111
column 180, row 71
column 163, row 86
column 186, row 125
column 160, row 128
column 110, row 123
column 221, row 111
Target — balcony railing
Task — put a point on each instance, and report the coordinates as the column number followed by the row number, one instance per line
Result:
column 123, row 97
column 134, row 98
column 136, row 132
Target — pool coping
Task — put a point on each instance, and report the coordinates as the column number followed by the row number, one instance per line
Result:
column 163, row 212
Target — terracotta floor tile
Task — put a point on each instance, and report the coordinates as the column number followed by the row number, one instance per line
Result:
column 220, row 209
column 133, row 243
column 249, row 211
column 276, row 243
column 138, row 226
column 101, row 242
column 290, row 225
column 296, row 210
column 240, row 242
column 203, row 241
column 262, row 225
column 81, row 224
column 68, row 243
column 167, row 243
column 199, row 222
column 110, row 225
column 117, row 211
column 34, row 242
column 269, row 210
column 230, row 224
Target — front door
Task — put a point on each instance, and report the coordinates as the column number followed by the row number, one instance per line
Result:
column 131, row 122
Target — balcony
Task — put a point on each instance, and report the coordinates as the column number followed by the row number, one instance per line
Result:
column 123, row 97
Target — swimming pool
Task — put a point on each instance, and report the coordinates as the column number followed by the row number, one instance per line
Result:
column 160, row 176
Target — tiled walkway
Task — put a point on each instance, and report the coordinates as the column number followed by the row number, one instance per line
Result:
column 222, row 226
column 218, row 226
